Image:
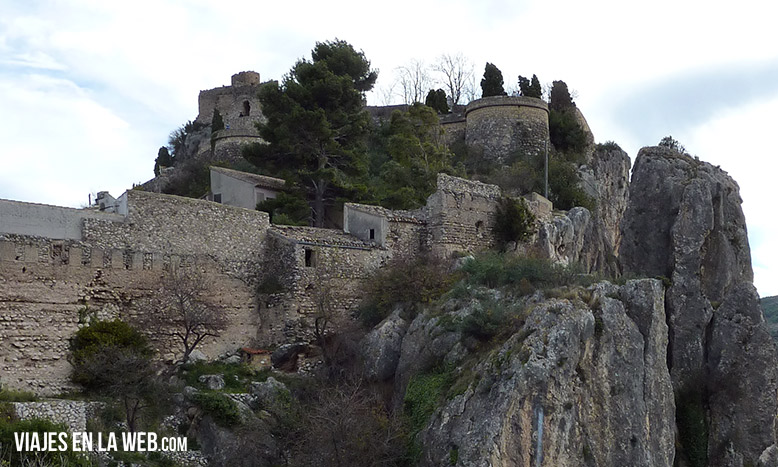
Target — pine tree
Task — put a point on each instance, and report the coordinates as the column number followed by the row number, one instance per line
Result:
column 492, row 82
column 317, row 123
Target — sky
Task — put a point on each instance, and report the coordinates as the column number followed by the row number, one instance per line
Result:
column 89, row 89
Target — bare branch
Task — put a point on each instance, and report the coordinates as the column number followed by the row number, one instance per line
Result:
column 457, row 71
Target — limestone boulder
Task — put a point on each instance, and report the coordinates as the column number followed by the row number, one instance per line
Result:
column 579, row 385
column 382, row 346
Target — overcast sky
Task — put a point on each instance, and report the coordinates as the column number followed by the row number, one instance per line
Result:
column 90, row 89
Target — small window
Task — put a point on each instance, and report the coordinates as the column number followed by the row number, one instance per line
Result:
column 217, row 197
column 309, row 258
column 246, row 108
column 478, row 226
column 372, row 234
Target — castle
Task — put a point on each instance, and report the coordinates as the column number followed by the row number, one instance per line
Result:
column 56, row 262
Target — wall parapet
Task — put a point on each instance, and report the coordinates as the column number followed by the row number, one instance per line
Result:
column 506, row 101
column 452, row 184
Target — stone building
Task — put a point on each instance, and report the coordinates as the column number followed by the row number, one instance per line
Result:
column 241, row 189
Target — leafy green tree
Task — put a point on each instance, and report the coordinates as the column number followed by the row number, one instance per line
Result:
column 417, row 153
column 513, row 221
column 535, row 89
column 113, row 359
column 317, row 123
column 560, row 97
column 524, row 85
column 286, row 209
column 163, row 160
column 437, row 100
column 530, row 88
column 565, row 132
column 492, row 82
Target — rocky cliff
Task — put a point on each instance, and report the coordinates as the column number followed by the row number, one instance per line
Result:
column 675, row 370
column 684, row 222
column 580, row 384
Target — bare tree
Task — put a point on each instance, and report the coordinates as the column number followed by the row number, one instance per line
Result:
column 414, row 81
column 185, row 310
column 347, row 425
column 457, row 71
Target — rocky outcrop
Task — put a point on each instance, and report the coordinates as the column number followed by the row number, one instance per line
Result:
column 591, row 239
column 684, row 222
column 578, row 385
column 605, row 178
column 381, row 347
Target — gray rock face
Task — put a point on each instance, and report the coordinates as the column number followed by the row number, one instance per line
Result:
column 579, row 385
column 561, row 239
column 605, row 178
column 591, row 239
column 740, row 369
column 214, row 382
column 271, row 395
column 425, row 344
column 381, row 347
column 684, row 222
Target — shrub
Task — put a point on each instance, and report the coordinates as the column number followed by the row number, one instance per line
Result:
column 286, row 209
column 223, row 409
column 11, row 395
column 101, row 338
column 414, row 282
column 496, row 269
column 514, row 222
column 565, row 132
column 491, row 318
column 237, row 376
column 422, row 396
column 609, row 146
column 563, row 180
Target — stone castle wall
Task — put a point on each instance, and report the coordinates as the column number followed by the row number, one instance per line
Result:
column 113, row 270
column 46, row 285
column 321, row 273
column 504, row 127
column 461, row 216
column 185, row 226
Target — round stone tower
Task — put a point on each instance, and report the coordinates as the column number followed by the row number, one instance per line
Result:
column 505, row 127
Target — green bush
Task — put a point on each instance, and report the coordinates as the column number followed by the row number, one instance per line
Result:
column 286, row 209
column 491, row 318
column 223, row 409
column 423, row 395
column 609, row 146
column 513, row 222
column 563, row 181
column 11, row 395
column 415, row 283
column 496, row 269
column 96, row 349
column 237, row 376
column 565, row 132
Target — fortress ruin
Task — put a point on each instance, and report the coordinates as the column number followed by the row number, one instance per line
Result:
column 58, row 263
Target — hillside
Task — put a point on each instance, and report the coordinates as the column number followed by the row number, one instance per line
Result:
column 770, row 308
